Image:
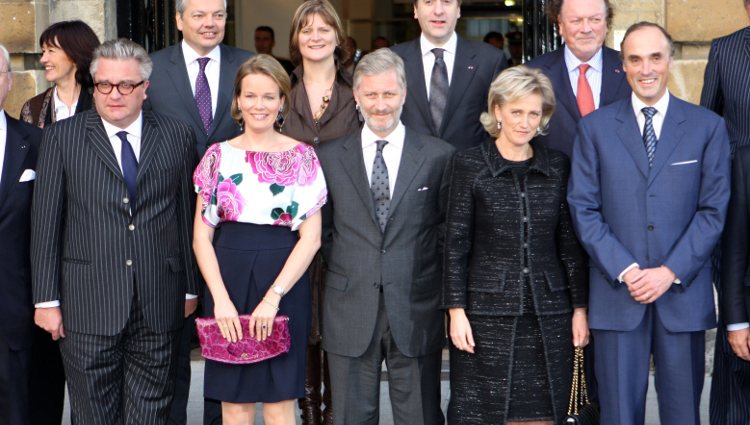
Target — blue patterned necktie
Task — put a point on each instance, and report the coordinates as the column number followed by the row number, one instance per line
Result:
column 649, row 135
column 438, row 88
column 203, row 95
column 129, row 165
column 380, row 187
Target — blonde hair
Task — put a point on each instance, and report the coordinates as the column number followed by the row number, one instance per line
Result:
column 512, row 84
column 261, row 65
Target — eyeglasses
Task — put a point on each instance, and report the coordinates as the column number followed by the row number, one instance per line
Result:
column 123, row 88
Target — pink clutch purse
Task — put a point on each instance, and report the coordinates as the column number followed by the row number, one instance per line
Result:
column 247, row 350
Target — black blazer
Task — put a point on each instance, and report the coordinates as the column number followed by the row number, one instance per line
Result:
column 562, row 126
column 170, row 93
column 726, row 88
column 735, row 257
column 475, row 67
column 484, row 271
column 16, row 308
column 88, row 251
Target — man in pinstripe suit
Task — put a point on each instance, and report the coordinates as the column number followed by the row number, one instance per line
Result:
column 111, row 244
column 726, row 91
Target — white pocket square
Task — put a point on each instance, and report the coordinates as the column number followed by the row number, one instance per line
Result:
column 27, row 175
column 692, row 161
column 423, row 188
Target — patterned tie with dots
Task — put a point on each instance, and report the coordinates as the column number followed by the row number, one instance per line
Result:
column 649, row 135
column 379, row 185
column 203, row 95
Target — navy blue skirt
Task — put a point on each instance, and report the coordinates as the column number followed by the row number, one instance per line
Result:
column 250, row 257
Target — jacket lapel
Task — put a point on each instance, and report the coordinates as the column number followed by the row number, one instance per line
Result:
column 411, row 163
column 746, row 42
column 354, row 164
column 16, row 149
column 97, row 138
column 226, row 85
column 464, row 69
column 671, row 134
column 558, row 72
column 417, row 89
column 612, row 77
column 630, row 136
column 150, row 138
column 182, row 87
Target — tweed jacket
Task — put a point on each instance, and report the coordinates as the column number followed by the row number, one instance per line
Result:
column 484, row 264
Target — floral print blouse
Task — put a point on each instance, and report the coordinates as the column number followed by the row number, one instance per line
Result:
column 272, row 188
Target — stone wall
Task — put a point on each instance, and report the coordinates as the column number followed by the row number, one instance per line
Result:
column 22, row 22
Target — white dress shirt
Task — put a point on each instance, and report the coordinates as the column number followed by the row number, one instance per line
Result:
column 428, row 58
column 61, row 109
column 3, row 138
column 593, row 75
column 212, row 70
column 391, row 152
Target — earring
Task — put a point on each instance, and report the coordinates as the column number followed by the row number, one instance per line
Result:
column 280, row 119
column 499, row 125
column 539, row 130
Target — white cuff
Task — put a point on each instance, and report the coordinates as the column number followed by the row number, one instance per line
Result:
column 48, row 304
column 627, row 269
column 190, row 296
column 738, row 326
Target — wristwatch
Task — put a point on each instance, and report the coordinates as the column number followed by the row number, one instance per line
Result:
column 278, row 290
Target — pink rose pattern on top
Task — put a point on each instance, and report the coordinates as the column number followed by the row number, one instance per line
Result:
column 230, row 190
column 298, row 165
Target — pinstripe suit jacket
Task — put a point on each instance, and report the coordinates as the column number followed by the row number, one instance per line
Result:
column 726, row 88
column 88, row 251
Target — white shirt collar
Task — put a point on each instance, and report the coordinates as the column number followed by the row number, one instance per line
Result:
column 3, row 121
column 191, row 55
column 396, row 138
column 449, row 46
column 661, row 105
column 133, row 129
column 572, row 62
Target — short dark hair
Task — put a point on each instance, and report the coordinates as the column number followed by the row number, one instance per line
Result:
column 494, row 35
column 266, row 28
column 555, row 7
column 78, row 41
column 645, row 24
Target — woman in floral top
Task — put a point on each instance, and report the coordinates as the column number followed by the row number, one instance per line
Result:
column 257, row 229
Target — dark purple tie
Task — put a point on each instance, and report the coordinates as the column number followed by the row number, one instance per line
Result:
column 203, row 95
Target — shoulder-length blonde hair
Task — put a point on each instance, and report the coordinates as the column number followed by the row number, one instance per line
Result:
column 512, row 84
column 261, row 65
column 301, row 16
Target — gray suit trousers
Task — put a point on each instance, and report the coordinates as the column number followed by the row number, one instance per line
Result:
column 414, row 382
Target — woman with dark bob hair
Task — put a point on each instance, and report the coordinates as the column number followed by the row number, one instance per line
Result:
column 67, row 49
column 322, row 109
column 257, row 228
column 515, row 281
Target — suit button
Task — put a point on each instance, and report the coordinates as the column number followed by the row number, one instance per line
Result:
column 650, row 227
column 131, row 227
column 125, row 200
column 523, row 194
column 525, row 270
column 129, row 263
column 382, row 251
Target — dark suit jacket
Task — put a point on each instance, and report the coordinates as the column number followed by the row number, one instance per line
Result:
column 670, row 214
column 726, row 88
column 735, row 274
column 170, row 93
column 16, row 308
column 406, row 259
column 84, row 236
column 562, row 126
column 475, row 67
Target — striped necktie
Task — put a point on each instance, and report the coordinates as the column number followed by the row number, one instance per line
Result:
column 649, row 135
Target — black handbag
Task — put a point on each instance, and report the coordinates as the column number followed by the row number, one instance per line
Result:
column 580, row 410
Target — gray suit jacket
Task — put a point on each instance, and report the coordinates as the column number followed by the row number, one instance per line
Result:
column 405, row 259
column 88, row 250
column 170, row 93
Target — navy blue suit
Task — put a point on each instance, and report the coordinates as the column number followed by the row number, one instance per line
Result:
column 16, row 307
column 475, row 67
column 671, row 214
column 726, row 91
column 562, row 126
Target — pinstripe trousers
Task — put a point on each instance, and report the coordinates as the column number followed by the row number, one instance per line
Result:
column 126, row 378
